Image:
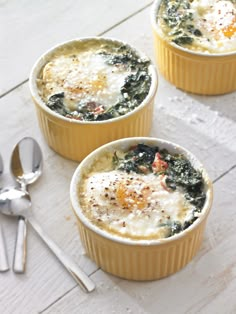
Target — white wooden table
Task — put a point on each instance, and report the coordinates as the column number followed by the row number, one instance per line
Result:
column 205, row 125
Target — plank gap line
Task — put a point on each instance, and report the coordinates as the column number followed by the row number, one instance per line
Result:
column 58, row 299
column 13, row 88
column 125, row 19
column 224, row 173
column 68, row 291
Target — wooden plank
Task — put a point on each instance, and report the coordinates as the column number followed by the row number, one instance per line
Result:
column 28, row 29
column 223, row 105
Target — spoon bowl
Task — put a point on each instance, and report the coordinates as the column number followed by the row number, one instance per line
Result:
column 26, row 161
column 14, row 202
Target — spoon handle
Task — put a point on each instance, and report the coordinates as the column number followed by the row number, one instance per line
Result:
column 80, row 277
column 20, row 247
column 4, row 266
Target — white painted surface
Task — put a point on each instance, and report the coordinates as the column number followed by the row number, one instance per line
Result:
column 205, row 125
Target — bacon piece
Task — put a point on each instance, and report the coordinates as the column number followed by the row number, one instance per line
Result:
column 158, row 164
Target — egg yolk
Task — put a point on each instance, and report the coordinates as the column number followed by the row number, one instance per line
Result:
column 131, row 198
column 230, row 30
column 94, row 84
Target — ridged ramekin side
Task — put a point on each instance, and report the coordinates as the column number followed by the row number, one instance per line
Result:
column 195, row 73
column 75, row 141
column 142, row 262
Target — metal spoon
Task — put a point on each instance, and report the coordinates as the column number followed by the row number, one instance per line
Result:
column 17, row 202
column 4, row 266
column 26, row 166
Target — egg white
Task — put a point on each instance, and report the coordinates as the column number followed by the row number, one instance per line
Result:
column 101, row 203
column 213, row 18
column 84, row 76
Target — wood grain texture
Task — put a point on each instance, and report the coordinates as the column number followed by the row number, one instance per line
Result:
column 204, row 125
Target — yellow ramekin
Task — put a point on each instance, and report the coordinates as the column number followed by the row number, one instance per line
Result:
column 139, row 259
column 195, row 72
column 75, row 139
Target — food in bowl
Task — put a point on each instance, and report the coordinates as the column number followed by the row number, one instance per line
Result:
column 90, row 91
column 95, row 81
column 142, row 193
column 141, row 205
column 195, row 44
column 199, row 25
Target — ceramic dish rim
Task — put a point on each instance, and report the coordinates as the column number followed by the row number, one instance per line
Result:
column 126, row 241
column 154, row 9
column 40, row 62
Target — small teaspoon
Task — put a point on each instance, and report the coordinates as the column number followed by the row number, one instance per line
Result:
column 26, row 167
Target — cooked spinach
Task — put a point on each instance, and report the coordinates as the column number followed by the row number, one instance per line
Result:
column 193, row 30
column 179, row 174
column 178, row 17
column 138, row 158
column 123, row 55
column 56, row 103
column 175, row 227
column 136, row 87
column 134, row 90
column 183, row 40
